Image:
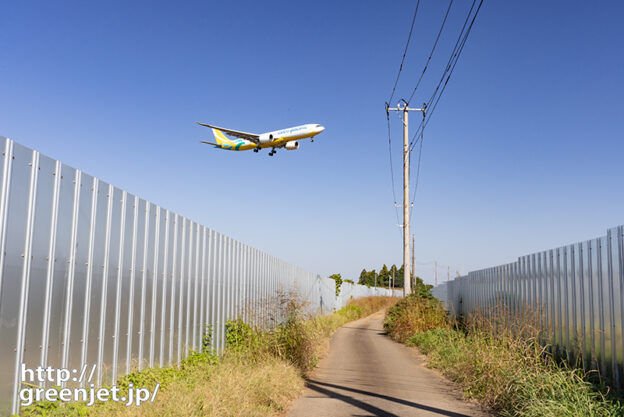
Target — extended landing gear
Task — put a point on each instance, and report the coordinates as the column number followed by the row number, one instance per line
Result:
column 273, row 151
column 256, row 149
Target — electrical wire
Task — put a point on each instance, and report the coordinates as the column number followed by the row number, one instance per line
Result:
column 409, row 37
column 421, row 140
column 435, row 44
column 461, row 48
column 450, row 67
column 457, row 50
column 454, row 53
column 396, row 210
column 433, row 101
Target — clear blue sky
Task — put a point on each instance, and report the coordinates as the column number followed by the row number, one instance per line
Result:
column 523, row 153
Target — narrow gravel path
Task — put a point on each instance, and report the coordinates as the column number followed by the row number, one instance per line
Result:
column 367, row 374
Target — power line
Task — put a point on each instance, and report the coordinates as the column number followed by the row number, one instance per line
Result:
column 457, row 50
column 450, row 67
column 461, row 48
column 454, row 53
column 409, row 37
column 396, row 210
column 446, row 69
column 417, row 169
column 435, row 44
column 433, row 262
column 422, row 74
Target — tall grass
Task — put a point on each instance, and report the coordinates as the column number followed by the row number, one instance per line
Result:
column 502, row 361
column 414, row 314
column 299, row 337
column 259, row 374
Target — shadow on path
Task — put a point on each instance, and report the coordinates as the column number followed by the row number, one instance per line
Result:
column 318, row 387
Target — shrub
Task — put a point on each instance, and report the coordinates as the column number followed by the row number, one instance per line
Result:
column 350, row 312
column 414, row 314
column 510, row 371
column 292, row 340
column 240, row 336
column 258, row 375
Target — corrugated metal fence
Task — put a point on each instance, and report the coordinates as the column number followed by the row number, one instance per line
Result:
column 576, row 292
column 93, row 275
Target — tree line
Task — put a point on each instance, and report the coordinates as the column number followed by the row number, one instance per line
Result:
column 386, row 277
column 393, row 276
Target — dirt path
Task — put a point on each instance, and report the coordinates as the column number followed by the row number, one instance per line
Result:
column 367, row 374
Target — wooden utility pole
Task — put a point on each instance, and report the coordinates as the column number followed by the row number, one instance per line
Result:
column 406, row 205
column 436, row 273
column 448, row 273
column 413, row 274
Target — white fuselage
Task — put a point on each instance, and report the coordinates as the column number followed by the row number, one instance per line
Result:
column 291, row 133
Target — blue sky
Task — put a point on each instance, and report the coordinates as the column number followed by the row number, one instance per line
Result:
column 523, row 153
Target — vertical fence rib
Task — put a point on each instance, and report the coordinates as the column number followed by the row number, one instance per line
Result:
column 122, row 228
column 614, row 371
column 47, row 304
column 174, row 279
column 163, row 302
column 101, row 337
column 130, row 334
column 25, row 279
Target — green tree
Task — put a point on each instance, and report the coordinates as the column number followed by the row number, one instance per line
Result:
column 363, row 278
column 383, row 280
column 372, row 277
column 422, row 289
column 399, row 278
column 384, row 277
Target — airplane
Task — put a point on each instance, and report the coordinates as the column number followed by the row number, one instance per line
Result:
column 285, row 138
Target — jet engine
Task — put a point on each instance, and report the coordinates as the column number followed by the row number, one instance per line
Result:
column 291, row 146
column 266, row 138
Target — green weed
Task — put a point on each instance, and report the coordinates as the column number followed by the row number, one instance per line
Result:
column 413, row 314
column 506, row 367
column 259, row 373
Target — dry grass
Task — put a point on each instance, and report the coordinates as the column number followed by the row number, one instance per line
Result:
column 355, row 309
column 234, row 387
column 501, row 361
column 414, row 314
column 302, row 340
column 260, row 373
column 238, row 385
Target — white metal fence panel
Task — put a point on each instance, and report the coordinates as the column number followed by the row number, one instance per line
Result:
column 90, row 274
column 576, row 293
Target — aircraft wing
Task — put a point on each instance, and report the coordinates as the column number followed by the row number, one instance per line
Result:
column 243, row 135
